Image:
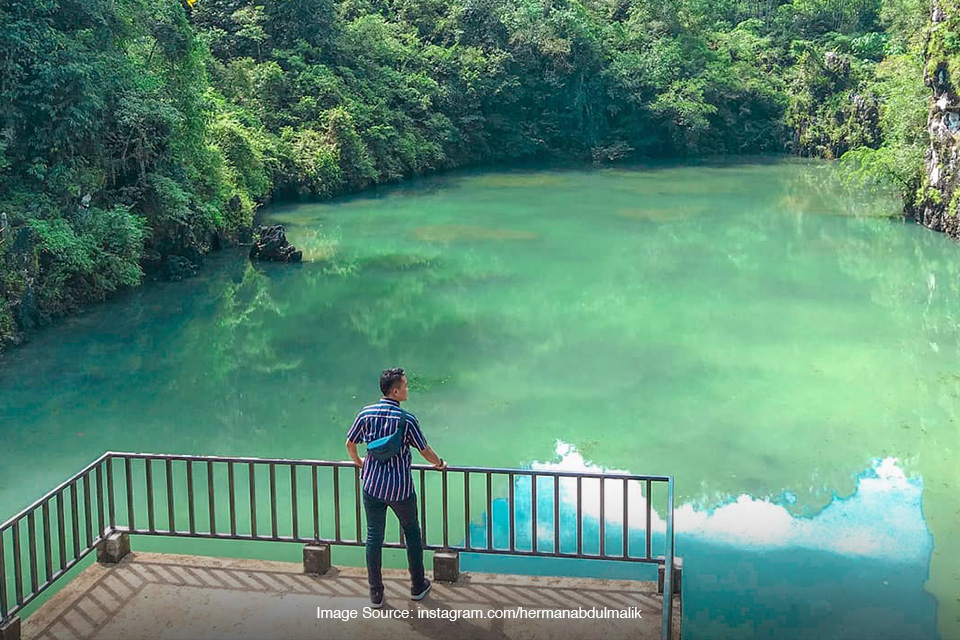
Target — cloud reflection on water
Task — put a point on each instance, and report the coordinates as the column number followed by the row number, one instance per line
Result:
column 883, row 518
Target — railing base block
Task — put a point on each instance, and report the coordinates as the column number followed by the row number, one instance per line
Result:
column 10, row 629
column 677, row 575
column 446, row 566
column 113, row 548
column 316, row 559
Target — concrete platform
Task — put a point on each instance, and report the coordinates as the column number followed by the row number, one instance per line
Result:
column 162, row 597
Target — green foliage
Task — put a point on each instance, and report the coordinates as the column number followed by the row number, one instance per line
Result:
column 244, row 150
column 904, row 101
column 316, row 161
column 88, row 258
column 179, row 122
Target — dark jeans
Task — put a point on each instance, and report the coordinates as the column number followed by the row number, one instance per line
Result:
column 406, row 511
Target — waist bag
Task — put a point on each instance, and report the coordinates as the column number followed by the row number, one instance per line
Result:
column 384, row 448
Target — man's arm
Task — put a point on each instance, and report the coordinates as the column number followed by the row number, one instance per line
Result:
column 354, row 436
column 431, row 456
column 416, row 440
column 352, row 451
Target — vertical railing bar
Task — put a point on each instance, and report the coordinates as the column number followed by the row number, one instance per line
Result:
column 232, row 493
column 32, row 549
column 47, row 546
column 253, row 499
column 151, row 523
column 110, row 494
column 336, row 502
column 647, row 527
column 603, row 518
column 191, row 507
column 626, row 518
column 423, row 507
column 75, row 519
column 556, row 514
column 489, row 510
column 211, row 498
column 446, row 544
column 273, row 499
column 512, row 521
column 666, row 621
column 3, row 580
column 61, row 530
column 171, row 513
column 533, row 512
column 17, row 569
column 466, row 509
column 129, row 481
column 293, row 505
column 579, row 516
column 101, row 513
column 356, row 500
column 87, row 511
column 316, row 503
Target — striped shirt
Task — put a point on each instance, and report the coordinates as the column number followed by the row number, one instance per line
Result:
column 390, row 480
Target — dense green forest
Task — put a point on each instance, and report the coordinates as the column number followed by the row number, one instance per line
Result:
column 135, row 135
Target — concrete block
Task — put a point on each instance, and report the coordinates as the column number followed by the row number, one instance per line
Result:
column 113, row 548
column 446, row 566
column 10, row 629
column 677, row 576
column 316, row 559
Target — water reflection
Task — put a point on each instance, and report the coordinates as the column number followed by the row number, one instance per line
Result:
column 757, row 569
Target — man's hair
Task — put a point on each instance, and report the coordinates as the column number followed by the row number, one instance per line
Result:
column 389, row 379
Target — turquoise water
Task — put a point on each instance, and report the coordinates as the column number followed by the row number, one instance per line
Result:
column 777, row 343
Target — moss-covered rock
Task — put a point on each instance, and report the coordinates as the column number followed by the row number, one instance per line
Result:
column 936, row 203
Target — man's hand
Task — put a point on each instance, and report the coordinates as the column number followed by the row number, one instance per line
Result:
column 431, row 456
column 352, row 452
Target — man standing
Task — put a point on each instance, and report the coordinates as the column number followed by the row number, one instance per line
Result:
column 389, row 483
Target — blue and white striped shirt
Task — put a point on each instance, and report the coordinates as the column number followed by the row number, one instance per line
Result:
column 391, row 480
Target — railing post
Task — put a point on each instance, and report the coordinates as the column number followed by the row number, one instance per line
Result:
column 316, row 559
column 446, row 566
column 113, row 548
column 10, row 628
column 677, row 575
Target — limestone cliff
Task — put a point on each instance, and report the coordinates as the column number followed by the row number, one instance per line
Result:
column 936, row 203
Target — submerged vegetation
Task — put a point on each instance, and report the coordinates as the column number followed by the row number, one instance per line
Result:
column 136, row 135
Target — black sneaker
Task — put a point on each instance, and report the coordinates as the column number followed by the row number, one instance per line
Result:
column 421, row 593
column 376, row 598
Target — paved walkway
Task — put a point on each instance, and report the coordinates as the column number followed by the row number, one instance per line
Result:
column 162, row 597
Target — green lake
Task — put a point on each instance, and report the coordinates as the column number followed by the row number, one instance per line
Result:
column 777, row 342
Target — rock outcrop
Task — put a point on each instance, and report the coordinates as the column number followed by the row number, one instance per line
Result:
column 270, row 243
column 19, row 271
column 936, row 204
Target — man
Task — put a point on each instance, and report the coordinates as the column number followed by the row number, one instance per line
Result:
column 390, row 483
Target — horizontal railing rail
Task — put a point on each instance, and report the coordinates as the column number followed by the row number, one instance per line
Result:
column 524, row 512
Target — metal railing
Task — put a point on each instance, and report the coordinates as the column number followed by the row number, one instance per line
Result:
column 311, row 501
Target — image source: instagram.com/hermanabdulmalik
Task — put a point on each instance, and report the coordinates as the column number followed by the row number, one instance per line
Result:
column 478, row 614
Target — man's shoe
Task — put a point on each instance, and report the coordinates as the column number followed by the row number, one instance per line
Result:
column 421, row 593
column 376, row 599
